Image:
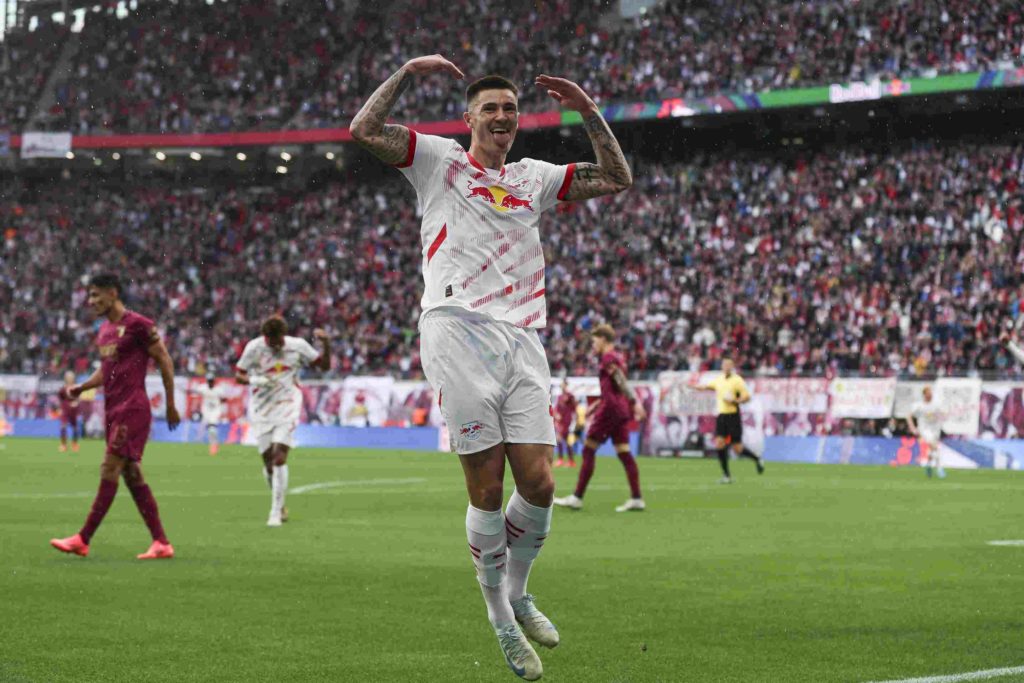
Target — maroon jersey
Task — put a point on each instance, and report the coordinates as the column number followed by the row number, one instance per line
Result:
column 68, row 408
column 614, row 404
column 565, row 411
column 124, row 351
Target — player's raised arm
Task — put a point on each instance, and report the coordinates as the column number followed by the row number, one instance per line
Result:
column 611, row 173
column 390, row 142
column 158, row 352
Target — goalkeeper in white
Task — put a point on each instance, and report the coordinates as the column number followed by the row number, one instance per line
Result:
column 271, row 364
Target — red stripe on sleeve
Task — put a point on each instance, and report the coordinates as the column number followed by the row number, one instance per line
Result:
column 411, row 154
column 438, row 241
column 569, row 170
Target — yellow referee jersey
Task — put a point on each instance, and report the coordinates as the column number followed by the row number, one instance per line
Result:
column 729, row 388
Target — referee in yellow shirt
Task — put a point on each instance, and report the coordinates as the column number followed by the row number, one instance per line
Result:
column 732, row 392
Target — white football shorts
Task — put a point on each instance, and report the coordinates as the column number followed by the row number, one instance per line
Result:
column 491, row 378
column 268, row 433
column 212, row 417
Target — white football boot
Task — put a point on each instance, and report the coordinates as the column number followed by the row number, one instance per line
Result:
column 570, row 501
column 632, row 504
column 519, row 654
column 535, row 625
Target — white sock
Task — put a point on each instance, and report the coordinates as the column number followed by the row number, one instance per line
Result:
column 279, row 487
column 211, row 434
column 266, row 475
column 527, row 526
column 485, row 532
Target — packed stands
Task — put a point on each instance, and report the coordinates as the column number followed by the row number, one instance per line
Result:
column 858, row 261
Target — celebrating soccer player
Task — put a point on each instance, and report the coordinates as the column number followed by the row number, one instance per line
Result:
column 610, row 419
column 212, row 409
column 483, row 300
column 126, row 342
column 732, row 392
column 270, row 364
column 68, row 414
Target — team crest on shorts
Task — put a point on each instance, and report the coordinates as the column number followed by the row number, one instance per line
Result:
column 471, row 431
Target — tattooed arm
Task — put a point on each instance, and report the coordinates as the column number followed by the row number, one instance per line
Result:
column 389, row 142
column 611, row 173
column 619, row 378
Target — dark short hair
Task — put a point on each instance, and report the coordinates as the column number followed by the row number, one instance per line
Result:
column 274, row 326
column 492, row 82
column 106, row 281
column 604, row 331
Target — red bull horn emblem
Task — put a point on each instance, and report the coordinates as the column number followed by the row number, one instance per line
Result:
column 471, row 430
column 500, row 199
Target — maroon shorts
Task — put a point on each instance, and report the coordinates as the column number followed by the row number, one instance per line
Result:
column 69, row 417
column 127, row 431
column 604, row 427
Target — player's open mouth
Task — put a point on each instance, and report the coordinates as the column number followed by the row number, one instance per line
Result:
column 503, row 136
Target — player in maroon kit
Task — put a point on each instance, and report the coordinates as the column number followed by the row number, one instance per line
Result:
column 610, row 419
column 68, row 415
column 565, row 413
column 126, row 342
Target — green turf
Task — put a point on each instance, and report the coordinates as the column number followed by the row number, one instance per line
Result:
column 810, row 573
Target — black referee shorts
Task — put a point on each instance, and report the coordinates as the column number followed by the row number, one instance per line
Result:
column 730, row 427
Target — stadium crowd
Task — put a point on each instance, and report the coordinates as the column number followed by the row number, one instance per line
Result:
column 903, row 261
column 194, row 66
column 25, row 61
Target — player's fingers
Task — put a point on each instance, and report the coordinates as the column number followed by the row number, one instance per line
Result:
column 556, row 96
column 454, row 70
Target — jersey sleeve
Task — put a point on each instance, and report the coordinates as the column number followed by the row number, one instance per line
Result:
column 554, row 183
column 423, row 160
column 143, row 331
column 248, row 358
column 307, row 354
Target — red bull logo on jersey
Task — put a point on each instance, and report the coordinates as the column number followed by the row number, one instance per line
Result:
column 471, row 431
column 500, row 199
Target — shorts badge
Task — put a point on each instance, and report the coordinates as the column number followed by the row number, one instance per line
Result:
column 471, row 430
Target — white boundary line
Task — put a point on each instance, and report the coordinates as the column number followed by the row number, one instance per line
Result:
column 354, row 482
column 1005, row 543
column 955, row 678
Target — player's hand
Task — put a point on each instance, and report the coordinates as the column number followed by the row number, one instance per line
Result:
column 72, row 392
column 566, row 93
column 173, row 419
column 1004, row 338
column 422, row 66
column 320, row 334
column 639, row 414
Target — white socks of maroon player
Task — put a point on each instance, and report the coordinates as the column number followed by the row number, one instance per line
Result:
column 485, row 532
column 527, row 526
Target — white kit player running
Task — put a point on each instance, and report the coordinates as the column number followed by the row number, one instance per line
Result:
column 925, row 421
column 483, row 301
column 271, row 364
column 212, row 409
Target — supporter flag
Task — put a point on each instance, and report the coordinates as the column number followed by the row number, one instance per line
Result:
column 45, row 145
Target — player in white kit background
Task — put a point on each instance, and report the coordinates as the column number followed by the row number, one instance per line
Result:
column 270, row 364
column 483, row 301
column 211, row 409
column 925, row 422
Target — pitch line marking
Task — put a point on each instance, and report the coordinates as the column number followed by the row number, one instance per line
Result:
column 1005, row 543
column 956, row 678
column 354, row 482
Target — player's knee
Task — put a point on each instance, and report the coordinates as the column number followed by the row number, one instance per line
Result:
column 487, row 496
column 539, row 491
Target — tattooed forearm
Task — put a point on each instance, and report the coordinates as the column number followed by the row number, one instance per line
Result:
column 610, row 174
column 389, row 143
column 623, row 386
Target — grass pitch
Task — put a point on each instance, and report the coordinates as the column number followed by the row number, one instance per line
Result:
column 810, row 573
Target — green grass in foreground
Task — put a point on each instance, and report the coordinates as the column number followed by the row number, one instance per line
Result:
column 810, row 573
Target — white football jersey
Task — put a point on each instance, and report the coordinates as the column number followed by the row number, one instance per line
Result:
column 280, row 401
column 212, row 402
column 479, row 234
column 929, row 418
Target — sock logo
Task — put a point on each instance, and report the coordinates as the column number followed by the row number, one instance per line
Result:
column 471, row 430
